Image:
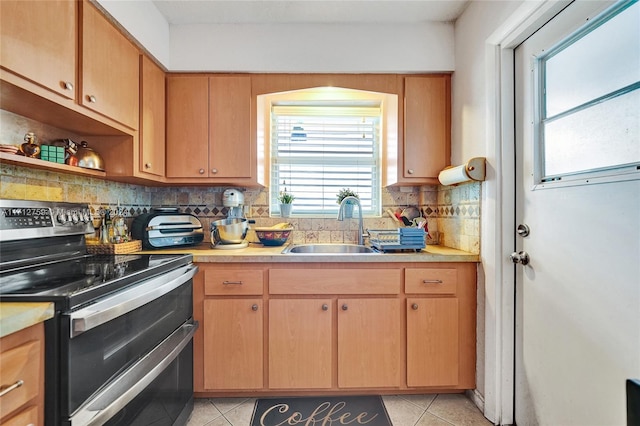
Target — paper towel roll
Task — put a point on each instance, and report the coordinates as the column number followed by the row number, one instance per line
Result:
column 454, row 175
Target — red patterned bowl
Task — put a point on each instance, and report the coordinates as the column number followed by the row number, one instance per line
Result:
column 273, row 237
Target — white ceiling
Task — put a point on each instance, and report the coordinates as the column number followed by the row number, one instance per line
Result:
column 308, row 11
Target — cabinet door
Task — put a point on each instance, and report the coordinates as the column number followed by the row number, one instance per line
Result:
column 432, row 341
column 230, row 153
column 369, row 339
column 427, row 132
column 38, row 42
column 300, row 355
column 187, row 126
column 152, row 119
column 233, row 341
column 110, row 69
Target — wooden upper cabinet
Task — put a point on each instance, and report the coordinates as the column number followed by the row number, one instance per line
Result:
column 152, row 118
column 38, row 41
column 427, row 128
column 209, row 128
column 230, row 153
column 187, row 126
column 110, row 69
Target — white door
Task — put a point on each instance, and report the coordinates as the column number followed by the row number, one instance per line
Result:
column 578, row 299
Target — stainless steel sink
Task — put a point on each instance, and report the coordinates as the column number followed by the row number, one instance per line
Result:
column 327, row 249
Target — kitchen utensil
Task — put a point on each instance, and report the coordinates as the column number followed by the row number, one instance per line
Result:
column 88, row 158
column 229, row 231
column 409, row 214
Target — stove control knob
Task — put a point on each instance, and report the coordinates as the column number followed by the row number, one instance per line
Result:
column 61, row 217
column 86, row 216
column 74, row 217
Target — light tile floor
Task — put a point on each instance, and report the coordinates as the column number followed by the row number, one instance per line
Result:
column 404, row 410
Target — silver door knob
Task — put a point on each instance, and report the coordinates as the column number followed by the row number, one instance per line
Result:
column 523, row 230
column 325, row 307
column 521, row 257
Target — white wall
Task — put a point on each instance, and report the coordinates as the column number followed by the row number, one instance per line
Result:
column 297, row 48
column 144, row 22
column 471, row 100
column 301, row 48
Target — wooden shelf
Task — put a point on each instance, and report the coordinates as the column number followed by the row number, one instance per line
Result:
column 48, row 165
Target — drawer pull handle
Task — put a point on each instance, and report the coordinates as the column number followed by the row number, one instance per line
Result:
column 16, row 385
column 254, row 307
column 431, row 281
column 325, row 307
column 345, row 307
column 232, row 282
column 414, row 306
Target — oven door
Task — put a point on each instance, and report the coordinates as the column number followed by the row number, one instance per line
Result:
column 112, row 350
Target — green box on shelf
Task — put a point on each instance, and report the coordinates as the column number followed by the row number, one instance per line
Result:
column 54, row 154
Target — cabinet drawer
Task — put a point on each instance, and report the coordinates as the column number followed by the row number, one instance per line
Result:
column 227, row 282
column 335, row 281
column 26, row 417
column 430, row 281
column 21, row 363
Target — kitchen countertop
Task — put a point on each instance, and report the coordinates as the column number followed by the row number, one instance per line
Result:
column 256, row 253
column 15, row 316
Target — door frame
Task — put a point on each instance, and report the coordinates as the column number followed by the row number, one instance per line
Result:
column 498, row 205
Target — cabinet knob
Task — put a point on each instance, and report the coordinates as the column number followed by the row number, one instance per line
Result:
column 325, row 307
column 67, row 85
column 414, row 306
column 410, row 171
column 92, row 99
column 214, row 171
column 147, row 165
column 345, row 307
column 201, row 171
column 254, row 307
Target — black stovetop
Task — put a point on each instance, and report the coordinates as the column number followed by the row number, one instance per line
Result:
column 74, row 282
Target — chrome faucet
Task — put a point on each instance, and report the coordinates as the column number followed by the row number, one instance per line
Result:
column 360, row 224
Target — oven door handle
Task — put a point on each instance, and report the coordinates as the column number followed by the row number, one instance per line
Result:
column 127, row 300
column 122, row 390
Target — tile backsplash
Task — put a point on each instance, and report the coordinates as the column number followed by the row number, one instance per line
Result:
column 453, row 213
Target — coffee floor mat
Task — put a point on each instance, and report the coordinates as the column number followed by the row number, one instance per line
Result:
column 334, row 410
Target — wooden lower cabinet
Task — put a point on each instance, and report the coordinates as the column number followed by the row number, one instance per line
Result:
column 432, row 341
column 300, row 343
column 304, row 328
column 369, row 343
column 22, row 361
column 233, row 337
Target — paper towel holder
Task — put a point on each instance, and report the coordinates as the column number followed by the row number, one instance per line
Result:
column 474, row 169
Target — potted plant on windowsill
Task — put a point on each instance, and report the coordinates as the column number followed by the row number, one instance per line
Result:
column 348, row 208
column 286, row 201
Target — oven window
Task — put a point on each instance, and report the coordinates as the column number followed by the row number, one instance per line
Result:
column 98, row 355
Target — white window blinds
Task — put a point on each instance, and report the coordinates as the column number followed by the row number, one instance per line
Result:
column 316, row 150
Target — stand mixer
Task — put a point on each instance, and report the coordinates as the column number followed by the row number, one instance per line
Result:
column 230, row 233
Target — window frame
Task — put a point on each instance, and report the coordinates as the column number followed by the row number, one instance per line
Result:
column 613, row 173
